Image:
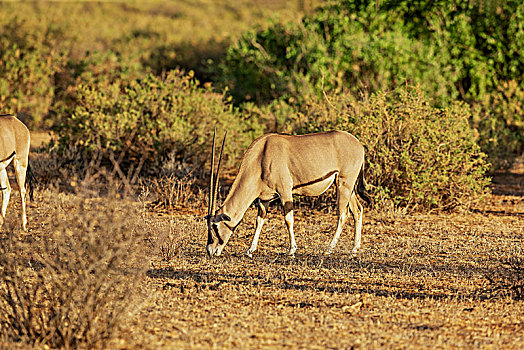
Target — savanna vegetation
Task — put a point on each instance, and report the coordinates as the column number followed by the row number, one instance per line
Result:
column 130, row 92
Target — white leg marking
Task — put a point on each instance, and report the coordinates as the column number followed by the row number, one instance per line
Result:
column 343, row 195
column 358, row 232
column 292, row 243
column 340, row 225
column 20, row 178
column 357, row 211
column 254, row 243
column 6, row 193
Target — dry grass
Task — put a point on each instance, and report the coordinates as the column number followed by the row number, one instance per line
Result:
column 420, row 281
column 70, row 282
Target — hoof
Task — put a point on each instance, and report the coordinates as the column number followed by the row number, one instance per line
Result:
column 291, row 252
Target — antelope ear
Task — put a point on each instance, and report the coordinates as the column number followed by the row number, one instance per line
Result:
column 221, row 217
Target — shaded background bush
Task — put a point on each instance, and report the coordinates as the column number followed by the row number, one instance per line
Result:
column 335, row 49
column 465, row 50
column 499, row 119
column 467, row 46
column 417, row 156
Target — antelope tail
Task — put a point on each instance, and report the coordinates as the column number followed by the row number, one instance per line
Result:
column 361, row 187
column 30, row 180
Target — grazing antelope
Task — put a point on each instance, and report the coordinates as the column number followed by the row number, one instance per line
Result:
column 14, row 146
column 277, row 165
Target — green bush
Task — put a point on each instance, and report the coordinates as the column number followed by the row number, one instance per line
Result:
column 451, row 49
column 458, row 50
column 151, row 118
column 417, row 156
column 96, row 68
column 333, row 51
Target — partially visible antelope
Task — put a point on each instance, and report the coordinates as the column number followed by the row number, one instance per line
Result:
column 14, row 146
column 277, row 165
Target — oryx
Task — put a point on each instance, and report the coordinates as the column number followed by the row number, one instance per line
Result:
column 14, row 146
column 277, row 165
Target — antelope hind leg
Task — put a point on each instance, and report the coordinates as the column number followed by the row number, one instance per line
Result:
column 343, row 195
column 20, row 171
column 357, row 211
column 6, row 193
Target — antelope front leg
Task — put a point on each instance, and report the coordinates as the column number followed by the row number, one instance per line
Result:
column 288, row 217
column 262, row 211
column 340, row 225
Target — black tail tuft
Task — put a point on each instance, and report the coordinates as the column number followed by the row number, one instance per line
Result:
column 361, row 188
column 30, row 180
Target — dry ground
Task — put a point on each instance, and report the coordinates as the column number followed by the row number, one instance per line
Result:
column 420, row 281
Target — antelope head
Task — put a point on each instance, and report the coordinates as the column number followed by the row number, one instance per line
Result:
column 218, row 231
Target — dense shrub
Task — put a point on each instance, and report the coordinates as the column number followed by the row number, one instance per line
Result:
column 465, row 50
column 95, row 68
column 378, row 45
column 147, row 119
column 332, row 52
column 418, row 156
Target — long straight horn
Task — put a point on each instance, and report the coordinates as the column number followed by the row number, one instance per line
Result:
column 218, row 172
column 210, row 205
